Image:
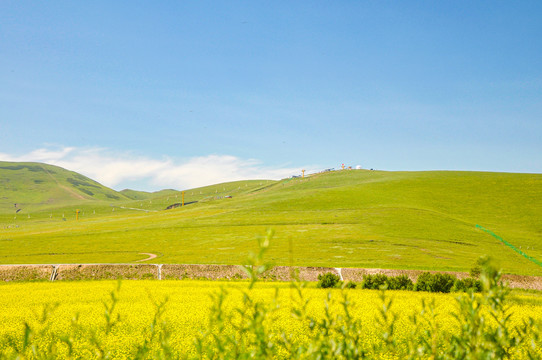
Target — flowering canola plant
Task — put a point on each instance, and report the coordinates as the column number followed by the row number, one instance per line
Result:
column 206, row 319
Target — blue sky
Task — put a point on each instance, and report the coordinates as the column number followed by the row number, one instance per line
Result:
column 178, row 94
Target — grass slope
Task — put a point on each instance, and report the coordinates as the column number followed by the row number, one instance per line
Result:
column 145, row 195
column 36, row 186
column 357, row 218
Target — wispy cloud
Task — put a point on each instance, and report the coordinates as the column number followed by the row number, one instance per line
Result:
column 115, row 169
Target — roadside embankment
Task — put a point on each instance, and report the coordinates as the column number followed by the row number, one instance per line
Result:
column 102, row 272
column 514, row 281
column 25, row 272
column 74, row 272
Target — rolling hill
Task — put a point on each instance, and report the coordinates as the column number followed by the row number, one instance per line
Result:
column 350, row 218
column 35, row 186
column 145, row 195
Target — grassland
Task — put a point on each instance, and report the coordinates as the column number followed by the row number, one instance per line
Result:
column 357, row 218
column 31, row 187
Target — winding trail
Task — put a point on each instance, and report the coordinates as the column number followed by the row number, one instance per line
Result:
column 68, row 190
column 151, row 256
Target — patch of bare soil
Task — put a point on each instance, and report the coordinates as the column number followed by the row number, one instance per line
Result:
column 524, row 282
column 25, row 272
column 211, row 272
column 109, row 272
column 233, row 272
column 514, row 281
column 286, row 273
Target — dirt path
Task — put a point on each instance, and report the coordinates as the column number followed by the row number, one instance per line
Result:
column 68, row 190
column 151, row 256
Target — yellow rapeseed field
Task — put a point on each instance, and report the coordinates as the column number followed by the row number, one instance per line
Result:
column 83, row 305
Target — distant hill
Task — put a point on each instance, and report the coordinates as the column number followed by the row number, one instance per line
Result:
column 36, row 186
column 145, row 195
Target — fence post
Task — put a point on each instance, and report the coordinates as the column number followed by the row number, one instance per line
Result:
column 53, row 273
column 159, row 271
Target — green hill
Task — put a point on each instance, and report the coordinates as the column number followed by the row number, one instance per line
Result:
column 350, row 218
column 145, row 195
column 136, row 195
column 30, row 187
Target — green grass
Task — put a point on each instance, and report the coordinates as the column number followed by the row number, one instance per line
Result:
column 357, row 218
column 37, row 187
column 144, row 195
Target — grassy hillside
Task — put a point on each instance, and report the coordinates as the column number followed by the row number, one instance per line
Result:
column 144, row 195
column 357, row 218
column 30, row 187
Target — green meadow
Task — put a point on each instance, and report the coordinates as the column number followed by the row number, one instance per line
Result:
column 349, row 218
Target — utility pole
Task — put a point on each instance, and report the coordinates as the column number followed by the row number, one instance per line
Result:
column 183, row 197
column 303, row 172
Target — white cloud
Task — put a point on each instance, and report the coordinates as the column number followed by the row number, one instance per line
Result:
column 114, row 169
